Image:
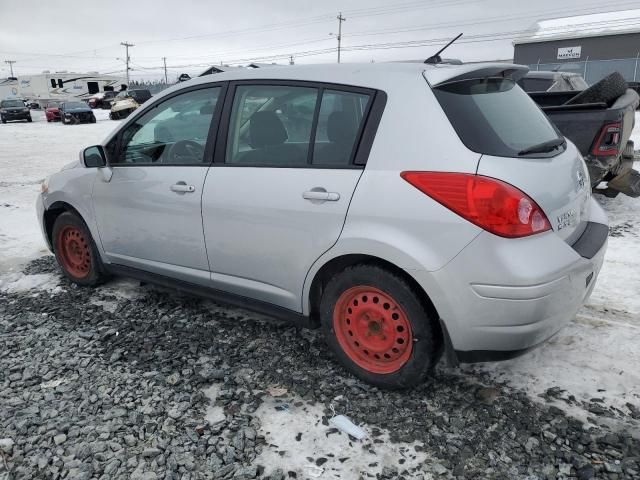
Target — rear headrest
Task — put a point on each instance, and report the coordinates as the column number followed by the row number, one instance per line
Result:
column 340, row 128
column 266, row 129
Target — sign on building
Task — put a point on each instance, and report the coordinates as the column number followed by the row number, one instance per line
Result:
column 569, row 52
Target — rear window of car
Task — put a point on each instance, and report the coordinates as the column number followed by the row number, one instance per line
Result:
column 494, row 116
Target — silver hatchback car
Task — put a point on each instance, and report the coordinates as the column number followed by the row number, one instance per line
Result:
column 406, row 209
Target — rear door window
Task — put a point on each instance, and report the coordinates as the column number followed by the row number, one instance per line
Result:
column 494, row 116
column 339, row 122
column 271, row 125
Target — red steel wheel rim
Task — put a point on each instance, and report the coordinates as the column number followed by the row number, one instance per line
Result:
column 372, row 329
column 73, row 250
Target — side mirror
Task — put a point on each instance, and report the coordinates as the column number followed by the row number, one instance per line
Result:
column 94, row 157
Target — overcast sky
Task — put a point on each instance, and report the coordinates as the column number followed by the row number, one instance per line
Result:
column 85, row 36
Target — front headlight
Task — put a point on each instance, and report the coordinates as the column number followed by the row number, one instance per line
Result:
column 44, row 186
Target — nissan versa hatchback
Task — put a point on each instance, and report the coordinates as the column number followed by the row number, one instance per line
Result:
column 406, row 209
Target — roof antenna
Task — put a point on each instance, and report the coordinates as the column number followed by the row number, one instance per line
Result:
column 434, row 59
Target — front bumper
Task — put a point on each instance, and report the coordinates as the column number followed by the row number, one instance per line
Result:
column 40, row 209
column 500, row 297
column 10, row 116
column 81, row 117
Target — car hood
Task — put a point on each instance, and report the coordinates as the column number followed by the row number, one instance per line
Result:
column 53, row 109
column 78, row 110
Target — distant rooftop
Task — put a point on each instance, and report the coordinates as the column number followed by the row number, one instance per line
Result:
column 593, row 25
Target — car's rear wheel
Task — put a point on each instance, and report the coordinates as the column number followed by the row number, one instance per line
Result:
column 75, row 251
column 378, row 327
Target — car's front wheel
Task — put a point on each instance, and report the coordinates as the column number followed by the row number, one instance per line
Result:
column 76, row 252
column 378, row 327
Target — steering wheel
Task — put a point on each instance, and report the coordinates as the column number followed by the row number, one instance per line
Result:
column 185, row 151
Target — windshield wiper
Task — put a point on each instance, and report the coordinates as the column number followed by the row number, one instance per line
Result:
column 543, row 147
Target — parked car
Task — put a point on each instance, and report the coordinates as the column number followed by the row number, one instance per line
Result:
column 75, row 111
column 599, row 120
column 384, row 203
column 127, row 101
column 52, row 112
column 102, row 100
column 14, row 109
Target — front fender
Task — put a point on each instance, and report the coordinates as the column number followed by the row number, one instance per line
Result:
column 73, row 188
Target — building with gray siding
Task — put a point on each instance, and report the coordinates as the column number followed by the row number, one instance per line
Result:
column 592, row 45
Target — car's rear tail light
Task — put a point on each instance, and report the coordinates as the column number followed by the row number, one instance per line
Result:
column 608, row 142
column 491, row 204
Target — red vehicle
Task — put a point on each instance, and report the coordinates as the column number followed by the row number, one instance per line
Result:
column 52, row 111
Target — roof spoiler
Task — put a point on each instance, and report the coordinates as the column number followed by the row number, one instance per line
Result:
column 447, row 74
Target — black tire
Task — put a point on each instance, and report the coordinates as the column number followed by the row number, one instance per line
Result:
column 4, row 121
column 425, row 349
column 93, row 120
column 29, row 120
column 606, row 90
column 96, row 273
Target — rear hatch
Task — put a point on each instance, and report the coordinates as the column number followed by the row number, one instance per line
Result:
column 518, row 144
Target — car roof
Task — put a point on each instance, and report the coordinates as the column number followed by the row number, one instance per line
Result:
column 372, row 75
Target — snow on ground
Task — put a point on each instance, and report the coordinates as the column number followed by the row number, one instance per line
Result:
column 299, row 439
column 29, row 152
column 596, row 356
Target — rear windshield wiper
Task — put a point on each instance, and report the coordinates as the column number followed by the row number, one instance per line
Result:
column 543, row 147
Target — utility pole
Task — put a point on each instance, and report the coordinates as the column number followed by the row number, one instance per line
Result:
column 164, row 59
column 340, row 20
column 126, row 45
column 291, row 62
column 10, row 62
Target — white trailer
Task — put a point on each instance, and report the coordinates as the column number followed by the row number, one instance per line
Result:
column 8, row 88
column 45, row 87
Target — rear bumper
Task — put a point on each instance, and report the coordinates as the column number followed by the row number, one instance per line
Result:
column 501, row 297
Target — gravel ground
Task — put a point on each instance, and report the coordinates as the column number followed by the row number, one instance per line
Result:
column 97, row 384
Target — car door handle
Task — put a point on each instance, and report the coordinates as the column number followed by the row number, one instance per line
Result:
column 182, row 187
column 321, row 195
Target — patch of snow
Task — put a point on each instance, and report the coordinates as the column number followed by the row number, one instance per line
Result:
column 214, row 413
column 604, row 23
column 297, row 432
column 590, row 358
column 20, row 283
column 29, row 152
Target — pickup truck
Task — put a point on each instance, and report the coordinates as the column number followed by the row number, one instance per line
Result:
column 598, row 120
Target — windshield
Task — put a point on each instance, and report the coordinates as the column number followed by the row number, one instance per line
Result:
column 494, row 116
column 70, row 105
column 11, row 103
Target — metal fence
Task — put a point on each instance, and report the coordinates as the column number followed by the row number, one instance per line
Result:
column 594, row 70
